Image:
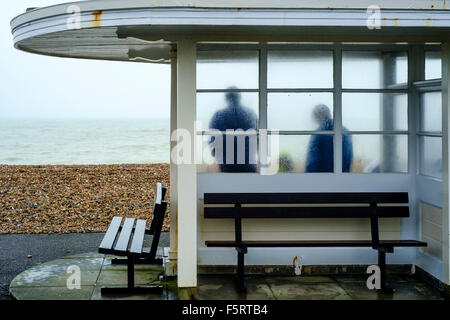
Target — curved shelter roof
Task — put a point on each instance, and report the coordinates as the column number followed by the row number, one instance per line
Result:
column 144, row 30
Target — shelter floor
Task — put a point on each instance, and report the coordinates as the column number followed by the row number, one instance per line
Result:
column 49, row 281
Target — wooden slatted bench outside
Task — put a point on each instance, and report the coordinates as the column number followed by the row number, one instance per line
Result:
column 309, row 205
column 127, row 240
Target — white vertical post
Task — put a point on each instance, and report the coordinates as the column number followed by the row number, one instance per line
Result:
column 171, row 265
column 187, row 173
column 445, row 161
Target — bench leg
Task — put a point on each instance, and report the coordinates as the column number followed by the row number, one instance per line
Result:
column 130, row 272
column 240, row 281
column 131, row 288
column 385, row 287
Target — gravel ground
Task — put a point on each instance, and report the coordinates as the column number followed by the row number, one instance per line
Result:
column 14, row 251
column 52, row 211
column 76, row 199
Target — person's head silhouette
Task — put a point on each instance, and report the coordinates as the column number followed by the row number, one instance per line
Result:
column 233, row 98
column 321, row 113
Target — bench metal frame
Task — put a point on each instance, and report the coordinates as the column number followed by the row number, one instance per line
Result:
column 127, row 240
column 371, row 210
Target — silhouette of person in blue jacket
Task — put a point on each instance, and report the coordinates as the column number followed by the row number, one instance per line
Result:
column 320, row 149
column 235, row 116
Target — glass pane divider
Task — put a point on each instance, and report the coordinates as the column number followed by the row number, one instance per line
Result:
column 347, row 90
column 269, row 132
column 228, row 133
column 262, row 82
column 302, row 132
column 376, row 132
column 301, row 90
column 428, row 89
column 263, row 106
column 225, row 90
column 428, row 83
column 429, row 134
column 398, row 86
column 337, row 110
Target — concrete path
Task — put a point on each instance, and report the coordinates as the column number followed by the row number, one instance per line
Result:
column 50, row 281
column 44, row 276
column 14, row 251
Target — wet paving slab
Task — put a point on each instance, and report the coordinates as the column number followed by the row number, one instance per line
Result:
column 51, row 293
column 306, row 288
column 406, row 287
column 49, row 281
column 56, row 273
column 219, row 287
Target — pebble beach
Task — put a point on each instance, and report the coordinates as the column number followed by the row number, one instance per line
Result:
column 50, row 199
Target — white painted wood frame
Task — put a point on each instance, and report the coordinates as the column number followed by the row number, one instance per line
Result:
column 187, row 173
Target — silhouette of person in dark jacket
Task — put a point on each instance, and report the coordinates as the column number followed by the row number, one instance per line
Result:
column 320, row 149
column 235, row 116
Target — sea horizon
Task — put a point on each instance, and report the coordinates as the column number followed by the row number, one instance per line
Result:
column 83, row 141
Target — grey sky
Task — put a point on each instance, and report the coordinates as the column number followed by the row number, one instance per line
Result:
column 34, row 86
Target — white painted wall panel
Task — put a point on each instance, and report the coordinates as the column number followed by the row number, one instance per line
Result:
column 432, row 229
column 287, row 229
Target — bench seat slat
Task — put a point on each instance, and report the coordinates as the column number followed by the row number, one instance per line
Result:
column 110, row 236
column 318, row 243
column 305, row 212
column 121, row 246
column 302, row 198
column 138, row 237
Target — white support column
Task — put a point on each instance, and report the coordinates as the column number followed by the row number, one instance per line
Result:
column 171, row 265
column 187, row 173
column 446, row 161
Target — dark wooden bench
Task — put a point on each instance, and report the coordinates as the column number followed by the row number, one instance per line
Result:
column 310, row 205
column 127, row 240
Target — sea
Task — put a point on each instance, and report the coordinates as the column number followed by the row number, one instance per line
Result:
column 84, row 141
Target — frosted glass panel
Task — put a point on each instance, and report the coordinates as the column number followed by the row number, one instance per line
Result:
column 431, row 156
column 433, row 69
column 241, row 155
column 300, row 153
column 209, row 163
column 373, row 70
column 373, row 153
column 431, row 112
column 224, row 69
column 216, row 104
column 300, row 69
column 295, row 111
column 374, row 111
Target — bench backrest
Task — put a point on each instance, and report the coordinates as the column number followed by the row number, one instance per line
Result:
column 159, row 208
column 307, row 205
column 159, row 212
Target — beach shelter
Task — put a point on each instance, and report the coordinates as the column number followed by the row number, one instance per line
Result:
column 382, row 71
